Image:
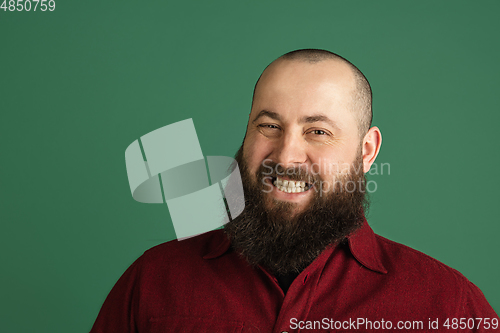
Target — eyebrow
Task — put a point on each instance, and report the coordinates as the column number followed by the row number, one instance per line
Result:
column 265, row 113
column 304, row 120
column 317, row 118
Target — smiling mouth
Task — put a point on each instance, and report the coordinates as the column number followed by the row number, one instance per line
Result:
column 290, row 186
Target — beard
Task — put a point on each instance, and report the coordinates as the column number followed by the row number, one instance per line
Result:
column 270, row 234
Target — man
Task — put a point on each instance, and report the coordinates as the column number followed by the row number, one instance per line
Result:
column 301, row 257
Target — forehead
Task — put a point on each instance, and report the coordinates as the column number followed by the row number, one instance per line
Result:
column 298, row 88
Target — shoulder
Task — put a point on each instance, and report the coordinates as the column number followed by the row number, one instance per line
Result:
column 182, row 253
column 433, row 280
column 425, row 277
column 403, row 260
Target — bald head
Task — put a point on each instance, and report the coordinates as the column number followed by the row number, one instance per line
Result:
column 361, row 94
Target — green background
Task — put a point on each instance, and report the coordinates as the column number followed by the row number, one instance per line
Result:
column 79, row 84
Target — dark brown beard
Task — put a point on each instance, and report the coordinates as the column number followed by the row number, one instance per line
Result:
column 272, row 238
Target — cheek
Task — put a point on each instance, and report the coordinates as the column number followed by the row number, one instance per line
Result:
column 329, row 165
column 255, row 153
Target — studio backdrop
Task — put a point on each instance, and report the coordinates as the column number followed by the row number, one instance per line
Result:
column 81, row 80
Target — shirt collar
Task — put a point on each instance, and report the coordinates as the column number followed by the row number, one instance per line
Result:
column 365, row 248
column 363, row 245
column 218, row 244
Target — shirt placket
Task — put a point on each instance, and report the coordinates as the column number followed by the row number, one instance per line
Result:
column 300, row 297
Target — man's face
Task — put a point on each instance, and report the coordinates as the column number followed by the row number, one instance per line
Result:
column 302, row 118
column 301, row 128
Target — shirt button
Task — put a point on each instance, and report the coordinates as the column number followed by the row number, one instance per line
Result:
column 284, row 332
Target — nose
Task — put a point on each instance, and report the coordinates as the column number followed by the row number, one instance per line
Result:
column 291, row 150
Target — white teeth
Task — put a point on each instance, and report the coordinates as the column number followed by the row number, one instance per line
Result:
column 289, row 186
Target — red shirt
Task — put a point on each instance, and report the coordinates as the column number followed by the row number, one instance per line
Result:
column 369, row 283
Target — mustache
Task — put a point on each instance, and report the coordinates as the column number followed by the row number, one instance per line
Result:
column 273, row 170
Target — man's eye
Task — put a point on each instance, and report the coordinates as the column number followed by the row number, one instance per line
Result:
column 268, row 126
column 318, row 132
column 269, row 130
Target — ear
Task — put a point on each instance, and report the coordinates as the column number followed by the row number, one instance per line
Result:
column 371, row 146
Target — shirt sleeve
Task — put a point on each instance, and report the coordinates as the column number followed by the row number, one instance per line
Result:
column 119, row 313
column 476, row 309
